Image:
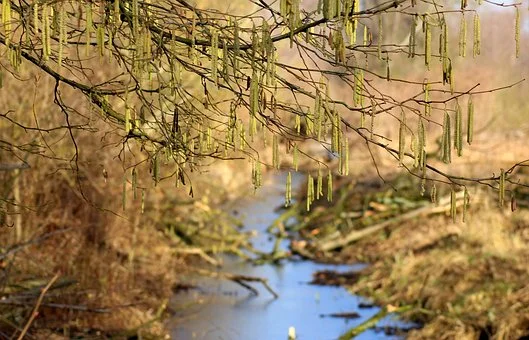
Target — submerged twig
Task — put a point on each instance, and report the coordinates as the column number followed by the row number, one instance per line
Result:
column 240, row 280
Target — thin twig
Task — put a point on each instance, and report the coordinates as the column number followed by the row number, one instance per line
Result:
column 37, row 305
column 239, row 279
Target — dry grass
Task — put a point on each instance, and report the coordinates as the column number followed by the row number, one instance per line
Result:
column 121, row 261
column 467, row 280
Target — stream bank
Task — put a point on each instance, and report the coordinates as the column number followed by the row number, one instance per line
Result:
column 223, row 310
column 461, row 280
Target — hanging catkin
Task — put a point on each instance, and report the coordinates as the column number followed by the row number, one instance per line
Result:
column 275, row 151
column 458, row 137
column 329, row 186
column 288, row 191
column 254, row 104
column 470, row 120
column 463, row 36
column 310, row 191
column 466, row 203
column 453, row 204
column 427, row 43
column 214, row 55
column 6, row 20
column 402, row 137
column 421, row 143
column 444, row 54
column 446, row 148
column 477, row 36
column 379, row 42
column 36, row 16
column 501, row 192
column 433, row 194
column 134, row 183
column 427, row 105
column 517, row 31
column 412, row 42
column 319, row 184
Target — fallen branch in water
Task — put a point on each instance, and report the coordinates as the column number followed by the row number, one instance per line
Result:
column 371, row 322
column 240, row 280
column 201, row 253
column 355, row 235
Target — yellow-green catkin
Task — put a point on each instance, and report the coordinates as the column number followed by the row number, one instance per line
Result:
column 446, row 149
column 453, row 204
column 358, row 87
column 466, row 203
column 319, row 184
column 501, row 192
column 329, row 9
column 412, row 39
column 433, row 194
column 288, row 191
column 427, row 43
column 256, row 174
column 329, row 186
column 402, row 137
column 275, row 151
column 128, row 125
column 6, row 20
column 156, row 169
column 470, row 121
column 116, row 16
column 336, row 133
column 310, row 191
column 427, row 105
column 517, row 32
column 458, row 138
column 36, row 16
column 142, row 201
column 477, row 36
column 463, row 36
column 100, row 35
column 344, row 157
column 254, row 104
column 297, row 124
column 380, row 37
column 421, row 143
column 214, row 55
column 134, row 182
column 45, row 32
column 444, row 54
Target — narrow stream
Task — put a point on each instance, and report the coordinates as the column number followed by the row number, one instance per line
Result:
column 223, row 310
